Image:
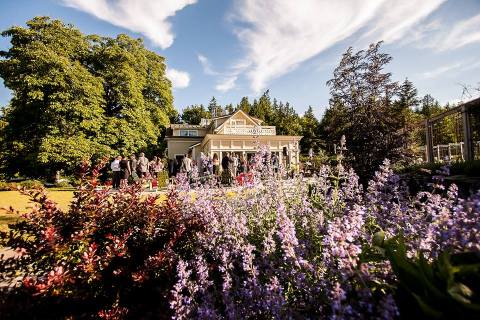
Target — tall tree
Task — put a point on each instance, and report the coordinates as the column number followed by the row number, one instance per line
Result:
column 84, row 97
column 310, row 132
column 229, row 109
column 244, row 105
column 362, row 109
column 214, row 108
column 195, row 113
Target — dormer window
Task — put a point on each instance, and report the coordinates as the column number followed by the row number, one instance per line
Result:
column 238, row 122
column 188, row 133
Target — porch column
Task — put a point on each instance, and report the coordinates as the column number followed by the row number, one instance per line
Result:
column 467, row 135
column 429, row 142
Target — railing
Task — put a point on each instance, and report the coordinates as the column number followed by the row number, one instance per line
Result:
column 251, row 130
column 451, row 152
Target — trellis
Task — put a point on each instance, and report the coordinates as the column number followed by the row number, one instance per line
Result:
column 465, row 148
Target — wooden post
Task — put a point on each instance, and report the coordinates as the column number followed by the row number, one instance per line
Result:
column 467, row 135
column 428, row 136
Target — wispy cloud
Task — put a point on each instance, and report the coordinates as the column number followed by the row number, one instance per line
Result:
column 442, row 70
column 180, row 79
column 463, row 33
column 452, row 68
column 148, row 17
column 206, row 65
column 226, row 83
column 278, row 35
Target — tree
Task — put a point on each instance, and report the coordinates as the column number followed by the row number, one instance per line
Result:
column 244, row 105
column 229, row 109
column 195, row 113
column 214, row 108
column 362, row 109
column 84, row 97
column 310, row 132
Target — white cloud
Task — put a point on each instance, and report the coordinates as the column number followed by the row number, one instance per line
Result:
column 226, row 84
column 148, row 17
column 180, row 79
column 441, row 70
column 278, row 35
column 463, row 33
column 453, row 68
column 206, row 65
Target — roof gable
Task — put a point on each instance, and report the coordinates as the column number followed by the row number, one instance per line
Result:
column 240, row 114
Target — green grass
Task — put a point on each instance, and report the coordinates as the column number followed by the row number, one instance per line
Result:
column 22, row 203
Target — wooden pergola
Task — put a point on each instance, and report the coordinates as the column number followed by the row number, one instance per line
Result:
column 465, row 110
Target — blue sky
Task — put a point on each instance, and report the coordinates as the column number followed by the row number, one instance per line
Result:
column 229, row 49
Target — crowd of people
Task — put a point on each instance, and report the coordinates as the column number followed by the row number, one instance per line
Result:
column 133, row 168
column 230, row 167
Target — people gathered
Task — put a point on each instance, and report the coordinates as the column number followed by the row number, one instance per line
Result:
column 231, row 167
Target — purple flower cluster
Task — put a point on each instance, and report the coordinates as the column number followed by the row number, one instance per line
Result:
column 293, row 248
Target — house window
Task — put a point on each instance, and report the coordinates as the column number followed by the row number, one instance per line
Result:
column 240, row 122
column 188, row 133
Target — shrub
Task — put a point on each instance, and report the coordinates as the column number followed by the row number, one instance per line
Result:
column 109, row 254
column 272, row 249
column 31, row 184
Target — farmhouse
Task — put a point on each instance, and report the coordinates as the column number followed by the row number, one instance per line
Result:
column 237, row 133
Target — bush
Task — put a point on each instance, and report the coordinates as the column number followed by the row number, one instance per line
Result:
column 31, row 184
column 63, row 184
column 108, row 254
column 273, row 249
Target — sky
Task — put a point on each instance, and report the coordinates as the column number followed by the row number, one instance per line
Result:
column 235, row 48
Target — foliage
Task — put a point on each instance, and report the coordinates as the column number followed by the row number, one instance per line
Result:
column 269, row 249
column 106, row 253
column 84, row 97
column 310, row 132
column 442, row 289
column 195, row 113
column 362, row 108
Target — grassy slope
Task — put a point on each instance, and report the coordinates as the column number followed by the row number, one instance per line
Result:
column 21, row 203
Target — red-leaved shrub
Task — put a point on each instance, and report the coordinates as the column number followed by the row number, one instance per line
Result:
column 108, row 255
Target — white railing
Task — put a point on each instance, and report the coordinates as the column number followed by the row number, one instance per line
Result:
column 250, row 130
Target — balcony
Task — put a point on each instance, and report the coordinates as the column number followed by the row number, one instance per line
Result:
column 250, row 130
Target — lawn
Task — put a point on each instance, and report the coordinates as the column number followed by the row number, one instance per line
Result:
column 20, row 202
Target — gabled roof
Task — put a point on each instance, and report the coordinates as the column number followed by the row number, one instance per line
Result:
column 255, row 120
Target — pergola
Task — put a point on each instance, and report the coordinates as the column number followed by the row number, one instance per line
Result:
column 465, row 110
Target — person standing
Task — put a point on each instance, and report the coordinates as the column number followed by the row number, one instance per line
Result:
column 215, row 164
column 133, row 167
column 124, row 172
column 234, row 165
column 142, row 165
column 115, row 166
column 187, row 165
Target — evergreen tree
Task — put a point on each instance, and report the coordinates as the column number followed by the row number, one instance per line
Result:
column 362, row 108
column 244, row 105
column 310, row 132
column 84, row 97
column 214, row 108
column 229, row 109
column 195, row 113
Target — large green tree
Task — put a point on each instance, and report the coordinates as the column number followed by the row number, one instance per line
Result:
column 76, row 97
column 362, row 107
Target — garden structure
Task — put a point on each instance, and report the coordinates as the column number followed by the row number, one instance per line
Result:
column 460, row 144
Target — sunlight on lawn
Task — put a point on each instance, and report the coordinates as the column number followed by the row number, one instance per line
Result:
column 21, row 203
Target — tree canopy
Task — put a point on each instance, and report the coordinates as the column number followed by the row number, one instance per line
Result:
column 362, row 107
column 78, row 96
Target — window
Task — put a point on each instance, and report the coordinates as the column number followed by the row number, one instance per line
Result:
column 240, row 122
column 188, row 133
